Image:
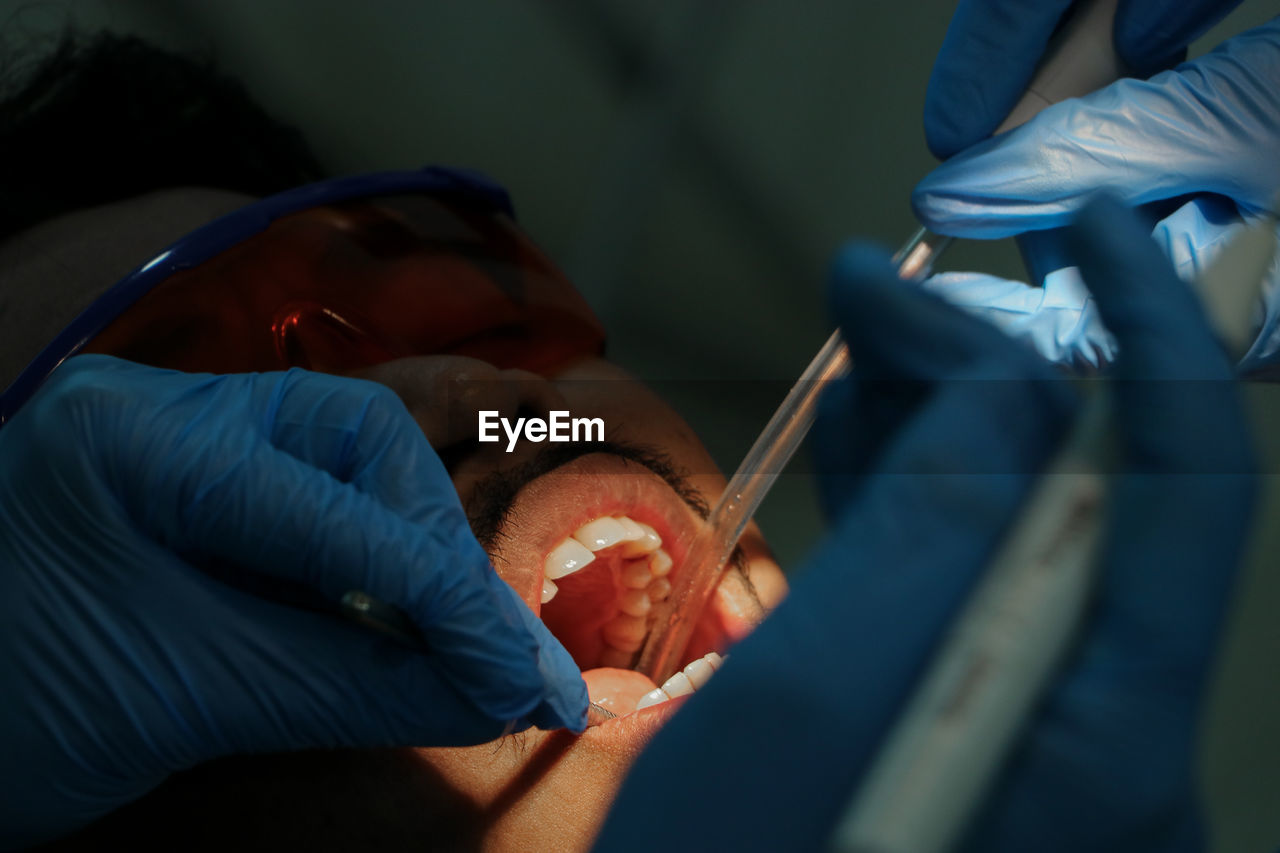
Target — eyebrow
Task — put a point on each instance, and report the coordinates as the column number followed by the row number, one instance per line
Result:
column 491, row 501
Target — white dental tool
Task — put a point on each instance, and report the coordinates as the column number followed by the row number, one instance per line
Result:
column 1080, row 60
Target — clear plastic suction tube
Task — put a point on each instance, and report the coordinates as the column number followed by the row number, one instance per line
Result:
column 713, row 546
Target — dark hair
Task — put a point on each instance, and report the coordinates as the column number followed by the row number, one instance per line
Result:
column 110, row 117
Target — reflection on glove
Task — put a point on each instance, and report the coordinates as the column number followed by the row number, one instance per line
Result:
column 122, row 661
column 927, row 453
column 1195, row 146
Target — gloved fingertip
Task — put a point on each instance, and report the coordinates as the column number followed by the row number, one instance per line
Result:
column 955, row 199
column 559, row 703
column 567, row 698
column 576, row 722
column 924, row 202
column 1158, row 321
column 833, row 447
column 858, row 268
column 1101, row 211
column 562, row 694
column 1151, row 39
column 946, row 131
column 565, row 707
column 1114, row 252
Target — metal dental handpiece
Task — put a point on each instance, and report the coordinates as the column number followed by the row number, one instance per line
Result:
column 1080, row 60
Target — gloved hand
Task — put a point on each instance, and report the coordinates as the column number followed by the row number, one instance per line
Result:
column 992, row 48
column 1194, row 146
column 121, row 660
column 947, row 419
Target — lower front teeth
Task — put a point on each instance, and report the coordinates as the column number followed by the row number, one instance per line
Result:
column 699, row 672
column 653, row 697
column 692, row 677
column 677, row 685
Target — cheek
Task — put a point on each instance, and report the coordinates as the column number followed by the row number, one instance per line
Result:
column 763, row 573
column 769, row 582
column 740, row 606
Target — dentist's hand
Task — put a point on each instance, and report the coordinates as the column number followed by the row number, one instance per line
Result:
column 992, row 48
column 1195, row 147
column 928, row 452
column 123, row 659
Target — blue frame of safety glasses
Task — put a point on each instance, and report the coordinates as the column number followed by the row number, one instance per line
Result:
column 223, row 233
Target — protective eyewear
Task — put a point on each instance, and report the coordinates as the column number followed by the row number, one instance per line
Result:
column 337, row 276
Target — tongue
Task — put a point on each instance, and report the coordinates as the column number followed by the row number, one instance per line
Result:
column 616, row 690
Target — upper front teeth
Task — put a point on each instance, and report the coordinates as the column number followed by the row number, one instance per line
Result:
column 601, row 533
column 646, row 543
column 634, row 530
column 639, row 566
column 577, row 550
column 566, row 558
column 549, row 589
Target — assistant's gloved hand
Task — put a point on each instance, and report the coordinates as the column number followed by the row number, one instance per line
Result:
column 928, row 452
column 121, row 660
column 1194, row 146
column 992, row 48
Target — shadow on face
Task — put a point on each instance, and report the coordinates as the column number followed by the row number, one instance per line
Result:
column 534, row 790
column 531, row 791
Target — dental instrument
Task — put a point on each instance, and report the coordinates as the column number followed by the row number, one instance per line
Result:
column 1080, row 59
column 392, row 622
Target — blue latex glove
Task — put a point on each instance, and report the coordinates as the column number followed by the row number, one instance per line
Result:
column 1194, row 146
column 122, row 661
column 992, row 48
column 947, row 416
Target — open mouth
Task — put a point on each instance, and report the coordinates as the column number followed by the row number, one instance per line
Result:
column 595, row 549
column 601, row 589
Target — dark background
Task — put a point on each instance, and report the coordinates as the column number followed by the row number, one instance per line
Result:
column 692, row 165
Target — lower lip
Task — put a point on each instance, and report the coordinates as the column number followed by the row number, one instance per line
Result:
column 643, row 723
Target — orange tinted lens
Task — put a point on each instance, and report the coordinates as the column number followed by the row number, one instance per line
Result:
column 352, row 284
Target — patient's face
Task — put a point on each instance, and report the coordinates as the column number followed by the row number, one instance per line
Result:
column 536, row 790
column 540, row 790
